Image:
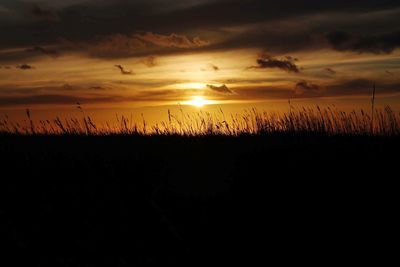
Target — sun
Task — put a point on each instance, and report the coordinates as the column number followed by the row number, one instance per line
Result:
column 198, row 101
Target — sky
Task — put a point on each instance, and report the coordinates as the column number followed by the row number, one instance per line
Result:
column 109, row 55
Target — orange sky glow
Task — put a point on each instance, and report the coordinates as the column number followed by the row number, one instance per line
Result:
column 49, row 66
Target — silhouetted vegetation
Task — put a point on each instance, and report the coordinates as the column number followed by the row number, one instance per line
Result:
column 329, row 121
column 308, row 186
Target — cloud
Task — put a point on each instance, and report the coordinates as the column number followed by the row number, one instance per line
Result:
column 159, row 95
column 79, row 20
column 152, row 27
column 389, row 73
column 44, row 13
column 114, row 45
column 330, row 71
column 45, row 51
column 55, row 87
column 376, row 44
column 122, row 45
column 292, row 59
column 25, row 67
column 73, row 87
column 123, row 70
column 357, row 87
column 210, row 67
column 288, row 63
column 305, row 86
column 97, row 88
column 305, row 89
column 220, row 89
column 263, row 92
column 55, row 99
column 61, row 99
column 149, row 61
column 214, row 67
column 172, row 40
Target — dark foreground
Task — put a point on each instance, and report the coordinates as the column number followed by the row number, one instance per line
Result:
column 125, row 201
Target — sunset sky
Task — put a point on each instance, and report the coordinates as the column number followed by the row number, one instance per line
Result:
column 151, row 53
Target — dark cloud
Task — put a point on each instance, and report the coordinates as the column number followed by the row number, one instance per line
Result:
column 140, row 28
column 97, row 88
column 305, row 86
column 58, row 99
column 113, row 46
column 210, row 67
column 330, row 71
column 25, row 67
column 266, row 61
column 79, row 19
column 55, row 99
column 376, row 44
column 306, row 89
column 356, row 87
column 220, row 89
column 44, row 13
column 224, row 13
column 56, row 88
column 214, row 67
column 45, row 51
column 123, row 70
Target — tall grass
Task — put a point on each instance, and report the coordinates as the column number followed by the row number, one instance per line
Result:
column 318, row 121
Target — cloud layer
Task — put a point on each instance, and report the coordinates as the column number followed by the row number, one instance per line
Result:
column 370, row 26
column 313, row 48
column 377, row 44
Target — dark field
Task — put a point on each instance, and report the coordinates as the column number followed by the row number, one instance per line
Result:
column 145, row 200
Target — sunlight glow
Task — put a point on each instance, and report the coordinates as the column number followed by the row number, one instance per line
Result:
column 196, row 85
column 199, row 101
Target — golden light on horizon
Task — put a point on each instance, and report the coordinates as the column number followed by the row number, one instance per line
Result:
column 199, row 101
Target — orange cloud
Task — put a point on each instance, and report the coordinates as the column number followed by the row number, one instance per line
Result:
column 120, row 45
column 172, row 40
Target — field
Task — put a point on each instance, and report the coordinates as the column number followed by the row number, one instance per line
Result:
column 200, row 189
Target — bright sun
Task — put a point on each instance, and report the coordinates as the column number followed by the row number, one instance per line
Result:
column 198, row 101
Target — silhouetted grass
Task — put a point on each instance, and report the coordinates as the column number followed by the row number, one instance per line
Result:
column 327, row 121
column 199, row 188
